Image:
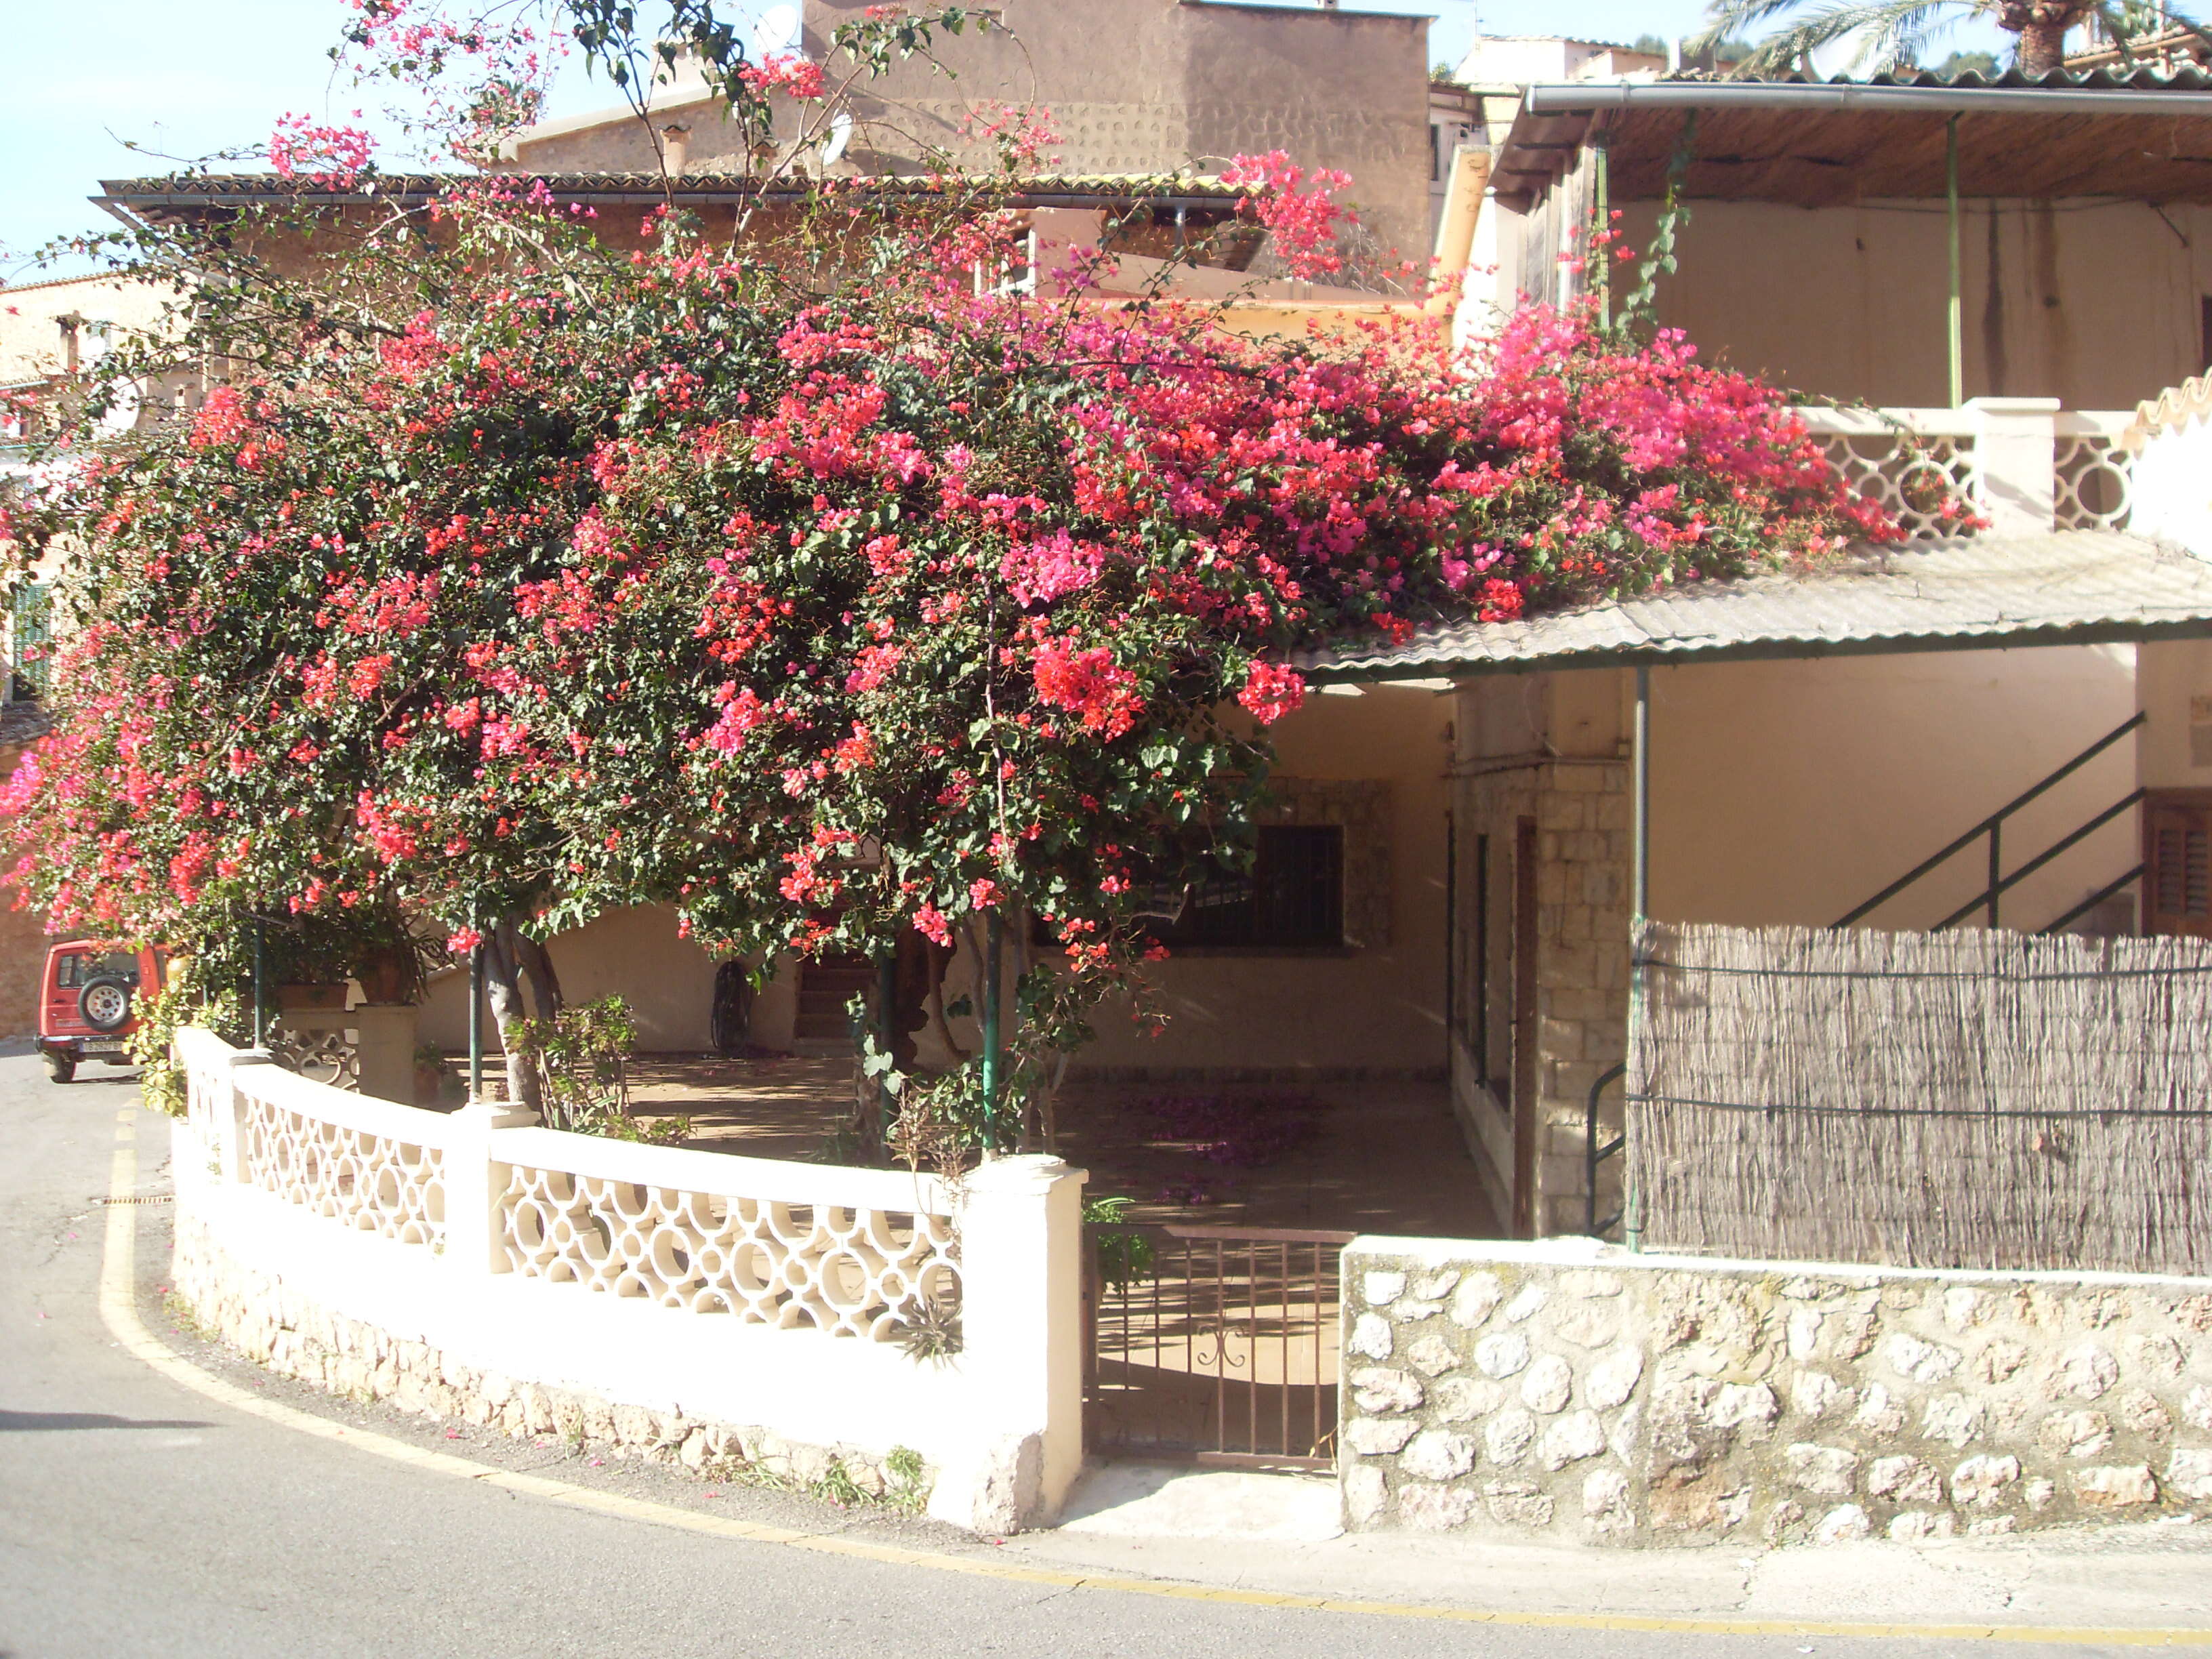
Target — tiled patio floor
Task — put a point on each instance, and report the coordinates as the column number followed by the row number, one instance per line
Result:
column 1380, row 1156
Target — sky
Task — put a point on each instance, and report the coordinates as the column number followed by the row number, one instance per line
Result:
column 81, row 80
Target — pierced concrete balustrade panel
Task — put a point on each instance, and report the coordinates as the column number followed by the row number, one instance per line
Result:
column 851, row 1252
column 2094, row 477
column 376, row 1167
column 1913, row 462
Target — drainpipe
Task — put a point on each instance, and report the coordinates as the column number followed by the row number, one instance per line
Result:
column 1602, row 220
column 1639, row 893
column 1958, row 339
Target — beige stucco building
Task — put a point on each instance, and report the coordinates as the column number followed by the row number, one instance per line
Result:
column 1185, row 85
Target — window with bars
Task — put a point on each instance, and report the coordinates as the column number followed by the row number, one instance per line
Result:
column 1291, row 898
column 2177, row 864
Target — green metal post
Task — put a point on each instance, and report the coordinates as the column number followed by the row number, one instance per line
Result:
column 260, row 987
column 476, row 1024
column 1957, row 317
column 886, row 1033
column 1639, row 895
column 993, row 940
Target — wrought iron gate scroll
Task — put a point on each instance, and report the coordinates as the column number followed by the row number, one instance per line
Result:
column 1215, row 1343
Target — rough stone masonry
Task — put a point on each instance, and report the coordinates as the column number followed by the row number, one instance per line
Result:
column 1570, row 1390
column 293, row 1336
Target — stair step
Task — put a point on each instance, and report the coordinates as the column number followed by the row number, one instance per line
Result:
column 825, row 986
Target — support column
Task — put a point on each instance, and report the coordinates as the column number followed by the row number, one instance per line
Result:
column 2016, row 456
column 475, row 1182
column 1021, row 1273
column 384, row 1050
column 230, row 1123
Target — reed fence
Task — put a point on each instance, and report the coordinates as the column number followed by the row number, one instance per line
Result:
column 1963, row 1099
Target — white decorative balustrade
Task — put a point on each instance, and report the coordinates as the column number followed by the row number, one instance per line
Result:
column 378, row 1176
column 2095, row 470
column 739, row 1291
column 852, row 1252
column 1992, row 454
column 1912, row 461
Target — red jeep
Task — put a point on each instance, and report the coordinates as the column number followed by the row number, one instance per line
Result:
column 84, row 1006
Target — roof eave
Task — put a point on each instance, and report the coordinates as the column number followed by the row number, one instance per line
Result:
column 2116, row 631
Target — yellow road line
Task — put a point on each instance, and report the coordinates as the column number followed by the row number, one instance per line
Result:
column 119, row 1309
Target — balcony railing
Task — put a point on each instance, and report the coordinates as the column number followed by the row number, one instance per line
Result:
column 2022, row 463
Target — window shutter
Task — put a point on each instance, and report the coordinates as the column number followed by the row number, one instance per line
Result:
column 2178, row 876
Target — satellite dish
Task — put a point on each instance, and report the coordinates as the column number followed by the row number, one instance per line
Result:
column 841, row 134
column 777, row 32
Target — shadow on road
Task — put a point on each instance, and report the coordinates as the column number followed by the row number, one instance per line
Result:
column 12, row 1421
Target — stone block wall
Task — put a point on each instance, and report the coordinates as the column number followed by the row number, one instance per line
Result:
column 1581, row 811
column 291, row 1334
column 1572, row 1392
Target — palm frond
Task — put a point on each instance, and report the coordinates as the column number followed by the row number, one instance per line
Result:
column 1892, row 33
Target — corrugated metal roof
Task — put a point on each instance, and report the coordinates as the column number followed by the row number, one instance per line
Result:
column 2132, row 132
column 2139, row 77
column 2061, row 587
column 215, row 186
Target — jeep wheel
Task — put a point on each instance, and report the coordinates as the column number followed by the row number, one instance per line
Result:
column 105, row 1003
column 60, row 1067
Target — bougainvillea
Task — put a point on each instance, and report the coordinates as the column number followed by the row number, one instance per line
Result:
column 829, row 612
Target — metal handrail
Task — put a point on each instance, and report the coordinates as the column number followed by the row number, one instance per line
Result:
column 1992, row 825
column 2094, row 900
column 1593, row 1154
column 2043, row 858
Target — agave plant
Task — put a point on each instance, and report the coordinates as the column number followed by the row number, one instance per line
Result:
column 1893, row 34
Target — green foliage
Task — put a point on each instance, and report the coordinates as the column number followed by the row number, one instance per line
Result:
column 1984, row 64
column 1897, row 35
column 1122, row 1256
column 907, row 1490
column 837, row 1486
column 581, row 1057
column 927, row 1331
column 191, row 995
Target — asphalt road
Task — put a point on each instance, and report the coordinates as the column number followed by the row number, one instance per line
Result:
column 139, row 1518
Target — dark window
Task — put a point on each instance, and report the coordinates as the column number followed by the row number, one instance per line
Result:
column 1292, row 897
column 2204, row 331
column 2178, row 837
column 75, row 969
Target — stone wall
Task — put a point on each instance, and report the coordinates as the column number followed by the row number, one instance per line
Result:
column 274, row 1325
column 1571, row 1391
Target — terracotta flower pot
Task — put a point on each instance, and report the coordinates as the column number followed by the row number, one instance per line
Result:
column 383, row 978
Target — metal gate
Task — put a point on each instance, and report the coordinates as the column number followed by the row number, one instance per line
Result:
column 1214, row 1343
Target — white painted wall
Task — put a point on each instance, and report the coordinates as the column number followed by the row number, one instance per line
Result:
column 1013, row 1394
